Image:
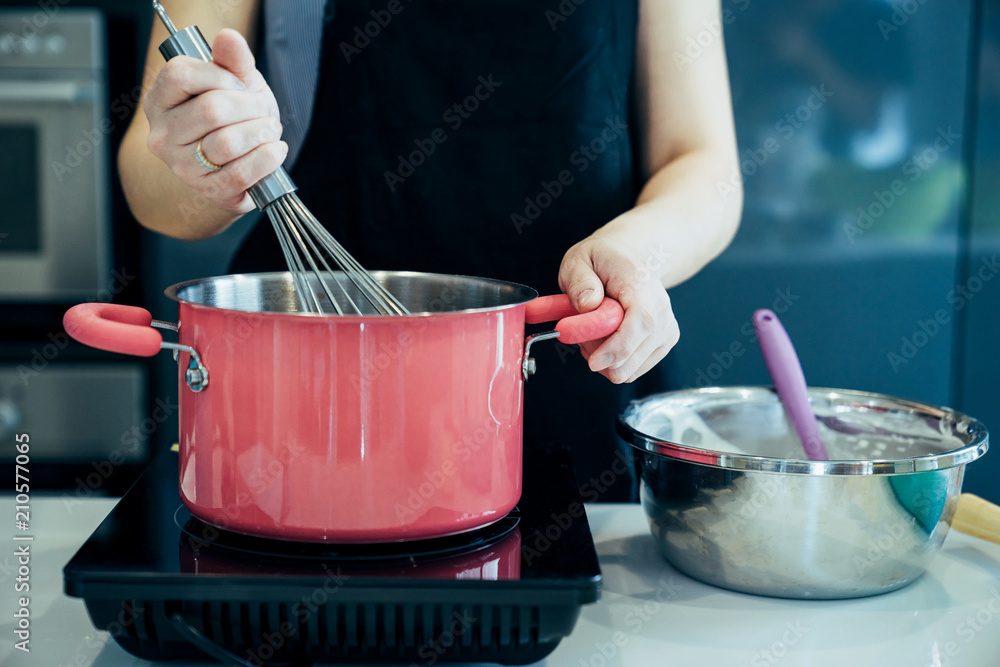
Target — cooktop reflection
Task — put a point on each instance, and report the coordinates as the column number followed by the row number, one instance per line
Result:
column 168, row 586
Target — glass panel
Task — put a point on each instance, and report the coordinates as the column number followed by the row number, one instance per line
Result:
column 850, row 122
column 977, row 291
column 20, row 226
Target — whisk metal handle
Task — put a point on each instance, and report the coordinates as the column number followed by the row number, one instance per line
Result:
column 187, row 42
column 190, row 42
column 270, row 188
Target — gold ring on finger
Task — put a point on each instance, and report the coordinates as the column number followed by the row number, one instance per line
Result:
column 199, row 155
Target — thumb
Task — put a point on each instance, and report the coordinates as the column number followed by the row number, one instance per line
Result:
column 231, row 51
column 580, row 283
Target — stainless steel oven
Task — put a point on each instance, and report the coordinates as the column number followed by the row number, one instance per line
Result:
column 86, row 412
column 54, row 155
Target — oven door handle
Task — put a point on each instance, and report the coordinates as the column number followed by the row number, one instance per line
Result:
column 46, row 92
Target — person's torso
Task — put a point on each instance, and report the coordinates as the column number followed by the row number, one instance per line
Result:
column 480, row 138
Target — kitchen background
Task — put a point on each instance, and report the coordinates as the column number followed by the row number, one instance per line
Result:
column 870, row 156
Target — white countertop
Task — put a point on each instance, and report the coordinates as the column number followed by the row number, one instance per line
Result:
column 649, row 614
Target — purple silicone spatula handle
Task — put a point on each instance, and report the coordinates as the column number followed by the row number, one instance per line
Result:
column 786, row 372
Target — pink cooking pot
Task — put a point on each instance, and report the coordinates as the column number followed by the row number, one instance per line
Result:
column 365, row 428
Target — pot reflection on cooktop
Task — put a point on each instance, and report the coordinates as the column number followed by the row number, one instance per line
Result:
column 491, row 553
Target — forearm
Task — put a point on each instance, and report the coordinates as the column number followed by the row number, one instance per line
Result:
column 190, row 101
column 682, row 218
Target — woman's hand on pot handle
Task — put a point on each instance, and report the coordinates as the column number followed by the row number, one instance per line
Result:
column 681, row 219
column 228, row 108
column 602, row 265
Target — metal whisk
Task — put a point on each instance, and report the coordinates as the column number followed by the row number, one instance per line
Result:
column 304, row 241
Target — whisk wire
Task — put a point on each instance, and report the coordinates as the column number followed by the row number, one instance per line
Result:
column 295, row 267
column 371, row 289
column 300, row 255
column 305, row 243
column 301, row 228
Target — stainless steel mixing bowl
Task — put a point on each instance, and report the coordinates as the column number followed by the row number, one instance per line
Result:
column 732, row 500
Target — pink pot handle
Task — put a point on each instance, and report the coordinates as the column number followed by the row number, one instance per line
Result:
column 574, row 327
column 113, row 327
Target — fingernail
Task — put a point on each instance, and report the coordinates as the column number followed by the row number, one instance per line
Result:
column 585, row 296
column 601, row 362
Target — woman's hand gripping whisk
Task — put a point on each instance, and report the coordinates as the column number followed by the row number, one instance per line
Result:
column 213, row 93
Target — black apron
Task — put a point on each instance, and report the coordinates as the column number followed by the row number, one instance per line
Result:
column 481, row 138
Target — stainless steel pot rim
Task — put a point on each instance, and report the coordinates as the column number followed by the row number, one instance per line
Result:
column 521, row 294
column 975, row 432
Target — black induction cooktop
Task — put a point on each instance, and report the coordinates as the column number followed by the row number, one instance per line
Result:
column 168, row 586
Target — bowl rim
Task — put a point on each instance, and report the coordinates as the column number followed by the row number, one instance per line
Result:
column 975, row 431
